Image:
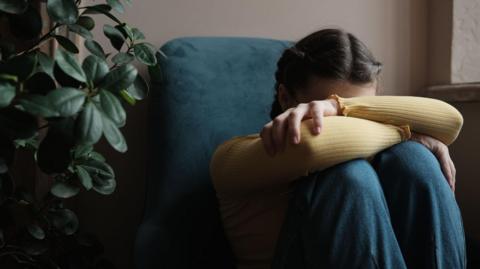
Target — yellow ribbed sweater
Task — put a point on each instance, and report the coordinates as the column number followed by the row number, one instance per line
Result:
column 252, row 187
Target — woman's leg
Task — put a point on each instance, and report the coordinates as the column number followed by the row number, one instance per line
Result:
column 338, row 218
column 424, row 214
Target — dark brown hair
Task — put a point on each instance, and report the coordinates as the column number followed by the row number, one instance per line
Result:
column 328, row 53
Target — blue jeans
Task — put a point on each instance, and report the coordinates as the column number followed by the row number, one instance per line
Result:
column 395, row 212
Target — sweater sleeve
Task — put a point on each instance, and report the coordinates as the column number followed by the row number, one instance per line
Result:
column 242, row 165
column 423, row 115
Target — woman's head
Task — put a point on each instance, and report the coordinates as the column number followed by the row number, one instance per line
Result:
column 324, row 62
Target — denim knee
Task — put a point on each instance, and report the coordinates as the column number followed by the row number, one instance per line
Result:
column 355, row 177
column 411, row 163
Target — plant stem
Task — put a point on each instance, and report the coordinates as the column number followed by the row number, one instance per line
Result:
column 43, row 38
column 43, row 126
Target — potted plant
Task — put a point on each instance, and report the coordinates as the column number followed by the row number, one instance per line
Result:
column 53, row 110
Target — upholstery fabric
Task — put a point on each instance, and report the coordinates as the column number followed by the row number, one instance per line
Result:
column 209, row 90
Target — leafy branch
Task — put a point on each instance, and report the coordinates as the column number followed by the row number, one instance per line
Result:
column 57, row 109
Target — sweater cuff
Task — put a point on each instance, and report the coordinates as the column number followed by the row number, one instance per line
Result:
column 405, row 131
column 342, row 108
column 345, row 105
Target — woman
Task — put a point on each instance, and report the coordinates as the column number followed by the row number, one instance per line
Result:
column 341, row 178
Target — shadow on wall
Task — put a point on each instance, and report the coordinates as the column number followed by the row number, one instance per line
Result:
column 473, row 249
column 468, row 186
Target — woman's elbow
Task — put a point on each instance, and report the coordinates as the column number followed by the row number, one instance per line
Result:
column 454, row 123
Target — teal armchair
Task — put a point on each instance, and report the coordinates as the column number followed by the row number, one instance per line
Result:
column 209, row 90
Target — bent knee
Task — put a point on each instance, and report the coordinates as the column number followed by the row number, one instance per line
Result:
column 356, row 175
column 412, row 163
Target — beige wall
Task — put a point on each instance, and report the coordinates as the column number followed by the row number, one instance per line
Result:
column 395, row 30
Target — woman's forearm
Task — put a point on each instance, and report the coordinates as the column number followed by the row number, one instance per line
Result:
column 242, row 165
column 424, row 115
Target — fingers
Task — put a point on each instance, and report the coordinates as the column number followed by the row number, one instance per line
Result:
column 287, row 126
column 441, row 152
column 266, row 135
column 316, row 112
column 446, row 165
column 274, row 132
column 454, row 174
column 294, row 121
column 279, row 131
column 451, row 169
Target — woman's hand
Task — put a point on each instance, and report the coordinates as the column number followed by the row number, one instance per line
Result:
column 440, row 151
column 286, row 126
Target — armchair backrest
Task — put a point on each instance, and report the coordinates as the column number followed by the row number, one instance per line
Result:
column 210, row 89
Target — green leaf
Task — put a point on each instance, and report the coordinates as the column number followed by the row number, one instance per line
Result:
column 103, row 177
column 62, row 11
column 104, row 186
column 127, row 97
column 102, row 9
column 29, row 143
column 112, row 107
column 66, row 43
column 86, row 22
column 7, row 93
column 36, row 231
column 67, row 62
column 139, row 88
column 98, row 168
column 119, row 78
column 64, row 190
column 64, row 220
column 80, row 30
column 95, row 48
column 46, row 63
column 95, row 68
column 67, row 101
column 113, row 135
column 145, row 53
column 14, row 6
column 114, row 35
column 97, row 9
column 84, row 177
column 90, row 126
column 115, row 4
column 137, row 34
column 126, row 30
column 37, row 105
column 122, row 58
column 82, row 151
column 97, row 156
column 65, row 79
